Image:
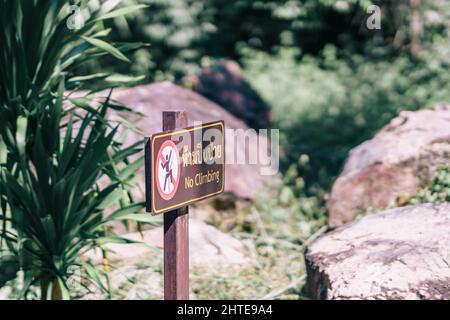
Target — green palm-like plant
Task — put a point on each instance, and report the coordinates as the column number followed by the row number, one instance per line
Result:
column 52, row 153
column 55, row 200
column 37, row 44
column 37, row 48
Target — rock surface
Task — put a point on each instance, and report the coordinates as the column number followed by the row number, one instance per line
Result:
column 136, row 270
column 401, row 253
column 207, row 246
column 244, row 181
column 224, row 84
column 399, row 160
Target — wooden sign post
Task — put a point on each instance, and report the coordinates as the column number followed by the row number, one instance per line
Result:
column 176, row 233
column 180, row 170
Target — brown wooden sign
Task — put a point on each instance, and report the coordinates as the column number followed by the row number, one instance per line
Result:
column 184, row 166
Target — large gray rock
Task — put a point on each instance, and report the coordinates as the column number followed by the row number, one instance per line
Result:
column 207, row 246
column 244, row 181
column 398, row 161
column 136, row 272
column 402, row 253
column 224, row 84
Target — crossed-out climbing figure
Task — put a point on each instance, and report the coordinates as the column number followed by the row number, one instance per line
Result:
column 166, row 164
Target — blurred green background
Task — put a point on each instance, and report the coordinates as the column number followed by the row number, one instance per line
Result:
column 329, row 80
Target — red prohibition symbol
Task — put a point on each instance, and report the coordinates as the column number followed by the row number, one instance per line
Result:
column 167, row 170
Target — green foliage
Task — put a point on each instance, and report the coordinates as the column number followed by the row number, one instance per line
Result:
column 438, row 191
column 331, row 81
column 289, row 216
column 37, row 43
column 325, row 106
column 281, row 210
column 38, row 50
column 55, row 150
column 186, row 34
column 326, row 103
column 54, row 195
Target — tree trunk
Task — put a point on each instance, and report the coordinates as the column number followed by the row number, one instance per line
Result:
column 56, row 290
column 44, row 287
column 56, row 293
column 416, row 29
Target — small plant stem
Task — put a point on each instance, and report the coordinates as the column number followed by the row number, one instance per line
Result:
column 56, row 290
column 105, row 263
